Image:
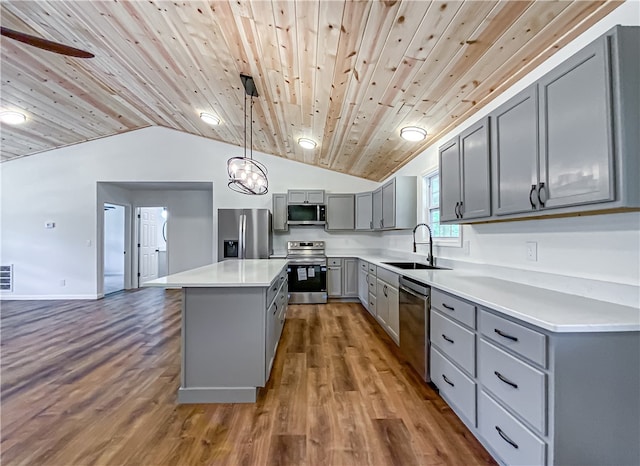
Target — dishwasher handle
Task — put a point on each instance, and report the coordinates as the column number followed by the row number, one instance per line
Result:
column 413, row 293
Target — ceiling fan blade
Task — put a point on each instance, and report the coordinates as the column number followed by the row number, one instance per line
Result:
column 45, row 44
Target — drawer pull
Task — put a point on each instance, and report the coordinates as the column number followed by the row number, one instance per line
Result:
column 444, row 377
column 447, row 338
column 505, row 380
column 506, row 439
column 505, row 335
column 451, row 308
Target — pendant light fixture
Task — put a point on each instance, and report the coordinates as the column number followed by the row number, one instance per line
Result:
column 247, row 176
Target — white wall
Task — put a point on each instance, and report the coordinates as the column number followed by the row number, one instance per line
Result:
column 600, row 248
column 61, row 186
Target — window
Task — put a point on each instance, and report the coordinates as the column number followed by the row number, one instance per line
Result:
column 442, row 234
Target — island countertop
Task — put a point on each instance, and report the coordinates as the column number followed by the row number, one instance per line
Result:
column 235, row 273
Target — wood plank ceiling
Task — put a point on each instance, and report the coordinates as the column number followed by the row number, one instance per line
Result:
column 348, row 74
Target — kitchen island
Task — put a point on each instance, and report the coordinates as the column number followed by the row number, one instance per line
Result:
column 232, row 318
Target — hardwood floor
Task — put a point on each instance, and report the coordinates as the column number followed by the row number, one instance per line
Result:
column 95, row 382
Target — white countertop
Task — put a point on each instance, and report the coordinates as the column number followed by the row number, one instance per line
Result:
column 229, row 273
column 550, row 310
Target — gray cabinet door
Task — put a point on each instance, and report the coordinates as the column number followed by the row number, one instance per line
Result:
column 514, row 153
column 576, row 148
column 449, row 155
column 475, row 173
column 279, row 212
column 296, row 196
column 377, row 209
column 350, row 277
column 340, row 212
column 315, row 197
column 334, row 281
column 389, row 204
column 364, row 211
column 363, row 287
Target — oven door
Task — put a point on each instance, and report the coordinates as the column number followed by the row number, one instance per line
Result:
column 307, row 283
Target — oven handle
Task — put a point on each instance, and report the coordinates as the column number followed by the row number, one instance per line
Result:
column 306, row 262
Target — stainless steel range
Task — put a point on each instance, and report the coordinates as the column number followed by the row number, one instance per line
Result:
column 307, row 272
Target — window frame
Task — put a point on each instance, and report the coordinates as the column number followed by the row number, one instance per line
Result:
column 424, row 210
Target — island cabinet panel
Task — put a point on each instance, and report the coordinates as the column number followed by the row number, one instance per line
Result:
column 235, row 327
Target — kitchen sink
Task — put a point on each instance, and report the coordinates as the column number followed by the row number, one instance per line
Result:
column 414, row 266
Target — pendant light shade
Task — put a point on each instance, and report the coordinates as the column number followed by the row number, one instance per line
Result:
column 247, row 176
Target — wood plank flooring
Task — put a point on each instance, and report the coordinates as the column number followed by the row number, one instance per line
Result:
column 95, row 382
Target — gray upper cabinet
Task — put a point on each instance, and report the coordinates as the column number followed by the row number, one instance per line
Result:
column 364, row 211
column 514, row 148
column 576, row 143
column 279, row 202
column 377, row 208
column 449, row 155
column 475, row 200
column 399, row 203
column 340, row 212
column 299, row 196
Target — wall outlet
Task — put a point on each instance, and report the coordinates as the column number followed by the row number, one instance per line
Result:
column 50, row 225
column 532, row 251
column 63, row 282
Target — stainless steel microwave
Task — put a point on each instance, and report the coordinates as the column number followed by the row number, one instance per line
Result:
column 306, row 214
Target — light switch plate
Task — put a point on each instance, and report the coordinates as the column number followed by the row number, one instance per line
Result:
column 532, row 251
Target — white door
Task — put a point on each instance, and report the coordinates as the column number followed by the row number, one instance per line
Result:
column 148, row 240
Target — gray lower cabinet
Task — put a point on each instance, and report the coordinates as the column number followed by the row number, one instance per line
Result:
column 334, row 278
column 342, row 277
column 465, row 189
column 279, row 218
column 350, row 278
column 363, row 283
column 364, row 211
column 229, row 340
column 537, row 397
column 388, row 302
column 340, row 212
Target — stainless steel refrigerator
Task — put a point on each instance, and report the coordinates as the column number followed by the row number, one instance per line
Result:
column 244, row 234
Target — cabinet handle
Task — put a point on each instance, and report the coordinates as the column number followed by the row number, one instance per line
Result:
column 447, row 338
column 444, row 377
column 381, row 223
column 531, row 198
column 505, row 380
column 456, row 210
column 276, row 309
column 461, row 209
column 451, row 308
column 542, row 193
column 371, row 225
column 384, row 290
column 506, row 439
column 505, row 335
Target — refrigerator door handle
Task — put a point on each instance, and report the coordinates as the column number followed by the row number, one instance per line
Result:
column 240, row 237
column 243, row 237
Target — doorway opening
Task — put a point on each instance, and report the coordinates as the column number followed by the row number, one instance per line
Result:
column 114, row 248
column 152, row 243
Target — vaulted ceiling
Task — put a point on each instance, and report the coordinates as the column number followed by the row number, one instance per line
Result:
column 348, row 74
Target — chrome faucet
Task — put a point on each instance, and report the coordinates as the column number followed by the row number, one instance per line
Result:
column 430, row 257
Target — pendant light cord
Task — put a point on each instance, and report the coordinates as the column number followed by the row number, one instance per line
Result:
column 251, row 128
column 245, row 126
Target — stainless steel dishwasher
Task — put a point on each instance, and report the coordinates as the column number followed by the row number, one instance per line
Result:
column 415, row 301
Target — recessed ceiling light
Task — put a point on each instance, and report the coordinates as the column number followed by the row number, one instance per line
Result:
column 12, row 118
column 209, row 118
column 307, row 143
column 413, row 133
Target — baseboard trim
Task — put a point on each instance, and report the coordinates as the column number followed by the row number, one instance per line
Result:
column 217, row 395
column 23, row 297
